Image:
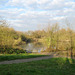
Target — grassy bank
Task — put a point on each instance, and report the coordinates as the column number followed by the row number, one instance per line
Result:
column 54, row 66
column 18, row 56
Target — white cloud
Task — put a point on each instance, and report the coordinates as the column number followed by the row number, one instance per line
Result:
column 41, row 4
column 30, row 13
column 58, row 18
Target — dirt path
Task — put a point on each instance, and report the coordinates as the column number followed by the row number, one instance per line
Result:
column 52, row 55
column 25, row 60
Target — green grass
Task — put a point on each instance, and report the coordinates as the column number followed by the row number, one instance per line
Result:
column 4, row 57
column 54, row 66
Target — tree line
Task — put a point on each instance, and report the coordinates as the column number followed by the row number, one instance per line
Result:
column 54, row 37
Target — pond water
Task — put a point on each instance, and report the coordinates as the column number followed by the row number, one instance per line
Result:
column 33, row 47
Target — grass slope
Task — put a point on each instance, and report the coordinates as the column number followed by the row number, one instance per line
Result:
column 54, row 66
column 4, row 57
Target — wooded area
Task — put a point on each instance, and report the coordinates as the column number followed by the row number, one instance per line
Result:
column 54, row 37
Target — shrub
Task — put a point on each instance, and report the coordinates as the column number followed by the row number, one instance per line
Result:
column 12, row 51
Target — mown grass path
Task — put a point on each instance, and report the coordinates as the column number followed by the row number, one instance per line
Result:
column 7, row 57
column 25, row 60
column 35, row 58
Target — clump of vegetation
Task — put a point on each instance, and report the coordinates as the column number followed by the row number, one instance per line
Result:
column 25, row 38
column 11, row 50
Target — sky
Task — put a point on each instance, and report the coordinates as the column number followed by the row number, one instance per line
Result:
column 25, row 15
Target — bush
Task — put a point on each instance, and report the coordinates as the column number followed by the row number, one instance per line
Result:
column 25, row 38
column 12, row 51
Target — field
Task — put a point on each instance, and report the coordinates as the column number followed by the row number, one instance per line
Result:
column 53, row 66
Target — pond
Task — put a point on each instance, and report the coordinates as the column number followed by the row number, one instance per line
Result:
column 33, row 47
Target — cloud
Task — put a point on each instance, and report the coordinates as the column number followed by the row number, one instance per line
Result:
column 41, row 4
column 27, row 14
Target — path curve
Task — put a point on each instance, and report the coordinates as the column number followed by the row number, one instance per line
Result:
column 25, row 60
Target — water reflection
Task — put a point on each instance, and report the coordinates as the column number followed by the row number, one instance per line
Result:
column 33, row 47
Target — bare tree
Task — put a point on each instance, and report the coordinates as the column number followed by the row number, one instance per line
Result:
column 57, row 34
column 52, row 31
column 71, row 37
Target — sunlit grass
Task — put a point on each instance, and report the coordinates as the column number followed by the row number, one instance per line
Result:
column 18, row 56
